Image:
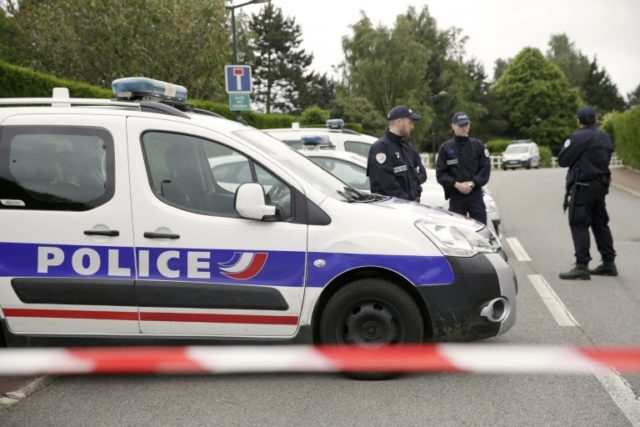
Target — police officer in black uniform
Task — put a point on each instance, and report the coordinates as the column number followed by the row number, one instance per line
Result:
column 463, row 168
column 394, row 168
column 587, row 153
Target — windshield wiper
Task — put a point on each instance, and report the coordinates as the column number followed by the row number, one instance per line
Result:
column 355, row 196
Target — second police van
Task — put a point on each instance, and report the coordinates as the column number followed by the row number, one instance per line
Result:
column 121, row 220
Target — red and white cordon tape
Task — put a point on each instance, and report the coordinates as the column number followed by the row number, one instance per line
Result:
column 464, row 358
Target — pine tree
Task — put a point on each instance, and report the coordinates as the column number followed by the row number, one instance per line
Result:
column 600, row 92
column 280, row 63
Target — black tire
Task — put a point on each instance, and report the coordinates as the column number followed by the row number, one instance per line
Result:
column 527, row 165
column 371, row 312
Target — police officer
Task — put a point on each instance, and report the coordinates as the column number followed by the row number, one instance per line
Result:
column 587, row 153
column 463, row 168
column 394, row 168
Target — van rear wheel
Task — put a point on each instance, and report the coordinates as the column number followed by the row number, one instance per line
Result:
column 371, row 312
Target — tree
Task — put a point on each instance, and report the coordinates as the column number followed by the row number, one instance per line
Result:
column 498, row 68
column 600, row 92
column 280, row 64
column 97, row 41
column 593, row 82
column 633, row 98
column 358, row 109
column 408, row 64
column 539, row 102
column 314, row 89
column 12, row 42
column 571, row 61
column 244, row 37
column 483, row 105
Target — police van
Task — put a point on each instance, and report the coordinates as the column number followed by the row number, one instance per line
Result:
column 141, row 218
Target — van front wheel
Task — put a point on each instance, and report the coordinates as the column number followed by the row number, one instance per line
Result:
column 371, row 312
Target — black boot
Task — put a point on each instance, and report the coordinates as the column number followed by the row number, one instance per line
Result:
column 607, row 268
column 578, row 272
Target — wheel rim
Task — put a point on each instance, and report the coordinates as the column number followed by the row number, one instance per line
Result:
column 370, row 323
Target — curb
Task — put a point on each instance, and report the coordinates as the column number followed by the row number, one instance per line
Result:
column 625, row 189
column 12, row 397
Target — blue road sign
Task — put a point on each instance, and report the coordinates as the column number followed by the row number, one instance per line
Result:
column 237, row 78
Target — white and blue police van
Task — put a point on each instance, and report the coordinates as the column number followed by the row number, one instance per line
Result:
column 141, row 218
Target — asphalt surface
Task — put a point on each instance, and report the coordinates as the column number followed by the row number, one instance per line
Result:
column 607, row 311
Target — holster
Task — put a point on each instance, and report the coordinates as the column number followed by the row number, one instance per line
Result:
column 605, row 179
column 569, row 199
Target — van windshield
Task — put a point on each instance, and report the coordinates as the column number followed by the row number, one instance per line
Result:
column 517, row 149
column 299, row 164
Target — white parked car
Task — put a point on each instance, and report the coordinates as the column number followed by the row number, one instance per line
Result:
column 334, row 134
column 123, row 220
column 521, row 154
column 352, row 169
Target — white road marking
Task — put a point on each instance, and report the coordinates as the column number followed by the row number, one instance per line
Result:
column 614, row 384
column 621, row 393
column 518, row 250
column 555, row 305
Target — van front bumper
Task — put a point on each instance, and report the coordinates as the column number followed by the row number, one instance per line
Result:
column 480, row 303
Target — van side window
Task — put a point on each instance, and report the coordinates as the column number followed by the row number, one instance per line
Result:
column 202, row 176
column 357, row 147
column 56, row 167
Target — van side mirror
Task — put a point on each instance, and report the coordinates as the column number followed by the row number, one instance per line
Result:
column 250, row 202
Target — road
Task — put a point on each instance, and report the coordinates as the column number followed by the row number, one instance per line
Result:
column 603, row 311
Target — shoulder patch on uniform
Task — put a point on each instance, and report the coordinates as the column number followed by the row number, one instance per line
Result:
column 486, row 152
column 567, row 142
column 381, row 158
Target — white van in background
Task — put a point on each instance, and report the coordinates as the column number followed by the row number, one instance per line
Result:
column 521, row 153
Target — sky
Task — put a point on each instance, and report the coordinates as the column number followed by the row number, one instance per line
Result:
column 608, row 30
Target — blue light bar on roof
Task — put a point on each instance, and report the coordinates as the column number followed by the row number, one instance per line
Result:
column 314, row 140
column 141, row 87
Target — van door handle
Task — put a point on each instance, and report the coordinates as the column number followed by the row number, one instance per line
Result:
column 109, row 233
column 154, row 235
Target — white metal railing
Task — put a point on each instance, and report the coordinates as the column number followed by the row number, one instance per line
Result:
column 496, row 161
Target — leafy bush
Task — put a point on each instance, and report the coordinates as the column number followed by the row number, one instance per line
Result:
column 545, row 156
column 314, row 115
column 497, row 146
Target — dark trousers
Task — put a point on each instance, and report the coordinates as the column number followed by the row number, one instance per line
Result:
column 591, row 211
column 470, row 204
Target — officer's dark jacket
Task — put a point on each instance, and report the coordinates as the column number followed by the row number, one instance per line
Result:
column 587, row 153
column 462, row 159
column 394, row 168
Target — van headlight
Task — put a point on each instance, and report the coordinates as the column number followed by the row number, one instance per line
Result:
column 457, row 240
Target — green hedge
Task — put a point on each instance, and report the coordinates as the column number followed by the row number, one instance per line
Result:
column 624, row 128
column 19, row 82
column 16, row 82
